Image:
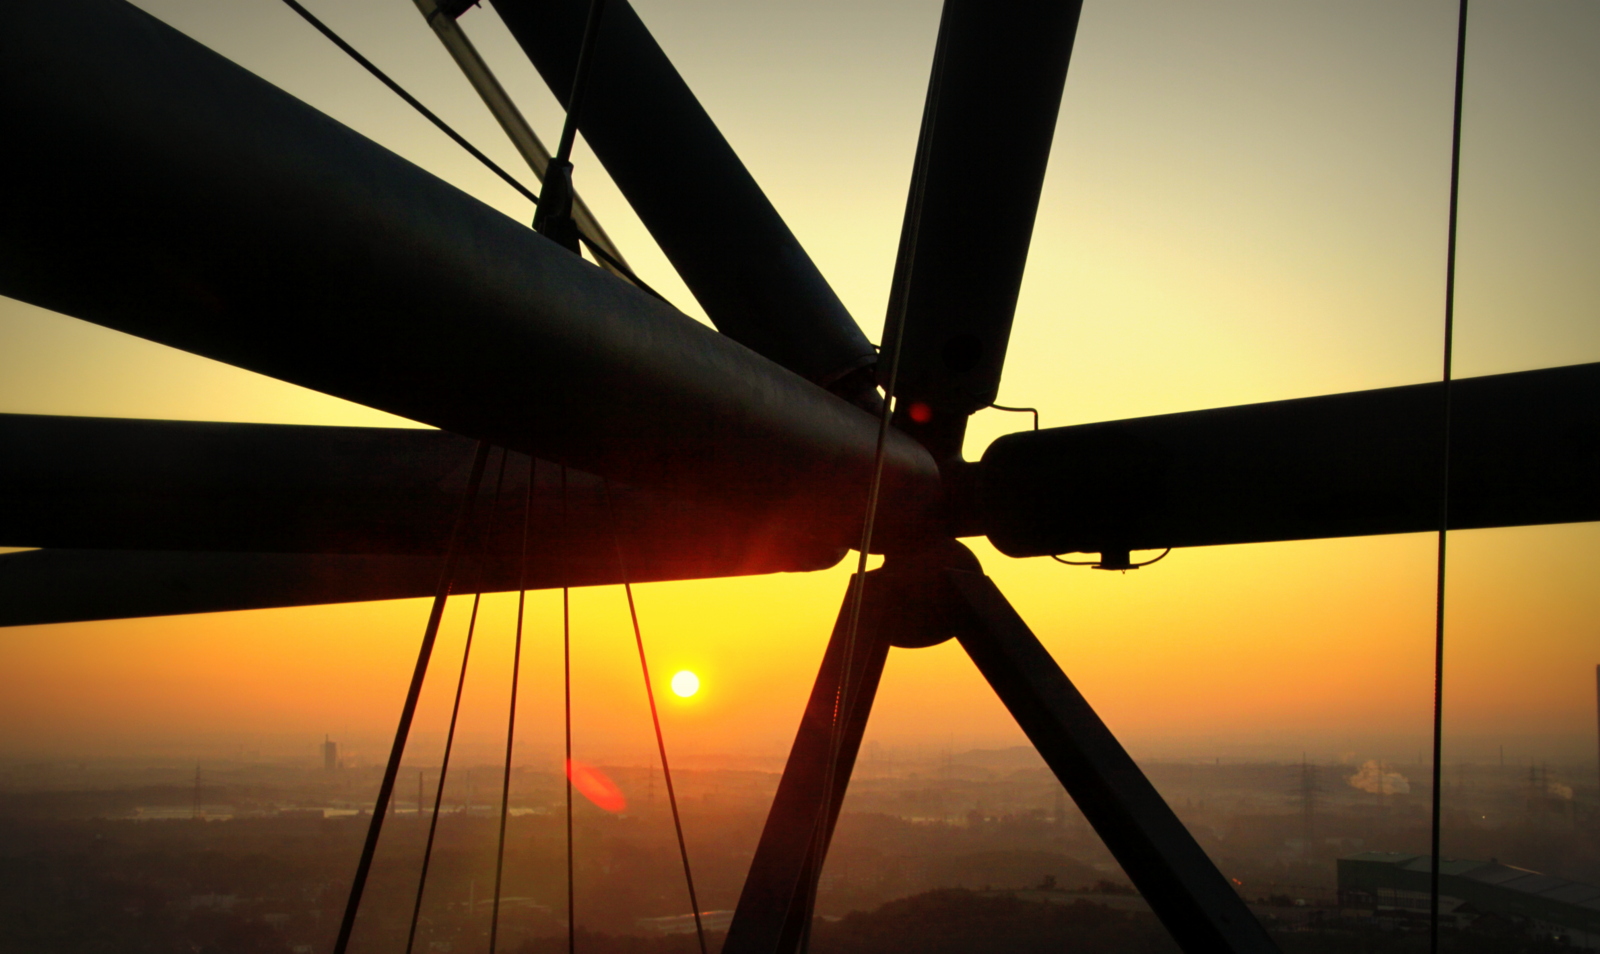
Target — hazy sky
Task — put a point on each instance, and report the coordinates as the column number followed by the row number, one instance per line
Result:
column 1246, row 202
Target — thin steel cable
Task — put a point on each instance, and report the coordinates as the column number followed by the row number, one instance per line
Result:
column 655, row 717
column 554, row 218
column 566, row 681
column 460, row 140
column 844, row 695
column 561, row 162
column 1444, row 481
column 666, row 768
column 1020, row 410
column 511, row 715
column 412, row 101
column 580, row 80
column 450, row 735
column 605, row 256
column 1131, row 566
column 897, row 307
column 408, row 711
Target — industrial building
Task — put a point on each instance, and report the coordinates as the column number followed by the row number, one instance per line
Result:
column 1394, row 887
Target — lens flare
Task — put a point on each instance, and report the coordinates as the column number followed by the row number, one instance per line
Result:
column 596, row 787
column 685, row 684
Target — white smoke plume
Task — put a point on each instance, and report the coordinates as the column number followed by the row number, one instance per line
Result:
column 1372, row 778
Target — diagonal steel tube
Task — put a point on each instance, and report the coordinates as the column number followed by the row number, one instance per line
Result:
column 775, row 906
column 689, row 188
column 1182, row 886
column 511, row 120
column 988, row 124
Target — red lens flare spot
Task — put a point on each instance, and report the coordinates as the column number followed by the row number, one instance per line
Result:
column 920, row 412
column 596, row 787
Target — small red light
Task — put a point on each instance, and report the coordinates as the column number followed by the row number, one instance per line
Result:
column 920, row 412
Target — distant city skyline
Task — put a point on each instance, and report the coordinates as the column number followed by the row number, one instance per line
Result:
column 1245, row 203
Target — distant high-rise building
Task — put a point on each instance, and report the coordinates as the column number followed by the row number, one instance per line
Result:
column 1308, row 804
column 330, row 754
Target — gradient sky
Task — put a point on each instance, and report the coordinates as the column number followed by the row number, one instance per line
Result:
column 1246, row 202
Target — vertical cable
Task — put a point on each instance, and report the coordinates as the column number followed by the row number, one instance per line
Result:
column 511, row 715
column 450, row 735
column 1444, row 479
column 408, row 711
column 553, row 219
column 898, row 298
column 666, row 769
column 444, row 768
column 655, row 718
column 566, row 679
column 580, row 80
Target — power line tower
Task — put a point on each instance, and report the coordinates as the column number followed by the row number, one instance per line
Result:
column 198, row 813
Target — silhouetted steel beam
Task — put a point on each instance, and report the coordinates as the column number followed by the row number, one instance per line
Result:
column 1524, row 449
column 775, row 906
column 691, row 191
column 63, row 586
column 154, row 187
column 116, row 483
column 1171, row 871
column 989, row 120
column 68, row 586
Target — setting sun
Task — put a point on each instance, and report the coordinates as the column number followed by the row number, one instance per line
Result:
column 685, row 684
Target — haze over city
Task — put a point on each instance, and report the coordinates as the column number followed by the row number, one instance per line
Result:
column 1246, row 202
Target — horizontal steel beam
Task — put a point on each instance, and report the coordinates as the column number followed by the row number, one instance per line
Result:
column 161, row 517
column 64, row 586
column 154, row 187
column 1524, row 449
column 69, row 586
column 115, row 483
